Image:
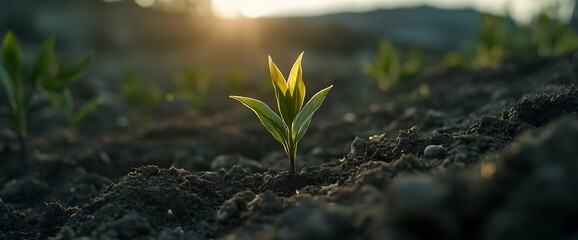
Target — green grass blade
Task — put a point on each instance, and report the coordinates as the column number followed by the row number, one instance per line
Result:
column 43, row 60
column 85, row 109
column 8, row 86
column 11, row 55
column 303, row 118
column 268, row 118
column 76, row 70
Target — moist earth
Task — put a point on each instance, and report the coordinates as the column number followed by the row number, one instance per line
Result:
column 485, row 154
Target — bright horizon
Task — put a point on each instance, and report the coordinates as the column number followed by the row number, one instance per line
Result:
column 521, row 10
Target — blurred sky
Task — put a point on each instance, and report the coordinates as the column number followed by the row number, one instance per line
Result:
column 521, row 10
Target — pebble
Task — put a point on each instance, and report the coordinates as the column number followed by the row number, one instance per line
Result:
column 434, row 151
column 356, row 145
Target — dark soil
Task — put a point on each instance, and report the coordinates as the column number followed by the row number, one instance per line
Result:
column 488, row 154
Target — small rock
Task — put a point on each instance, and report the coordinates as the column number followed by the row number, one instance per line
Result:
column 434, row 151
column 356, row 146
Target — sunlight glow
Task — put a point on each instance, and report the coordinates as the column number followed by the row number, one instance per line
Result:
column 521, row 10
column 145, row 3
column 259, row 8
column 226, row 8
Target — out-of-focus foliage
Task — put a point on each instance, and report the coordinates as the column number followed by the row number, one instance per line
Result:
column 546, row 35
column 75, row 115
column 140, row 97
column 58, row 92
column 23, row 84
column 498, row 38
column 392, row 66
column 192, row 84
column 493, row 42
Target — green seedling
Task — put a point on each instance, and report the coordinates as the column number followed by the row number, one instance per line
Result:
column 392, row 66
column 193, row 85
column 21, row 88
column 75, row 116
column 294, row 119
column 59, row 93
column 141, row 97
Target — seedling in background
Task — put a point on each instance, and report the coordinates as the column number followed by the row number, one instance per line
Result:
column 193, row 85
column 75, row 116
column 141, row 97
column 295, row 118
column 392, row 67
column 58, row 91
column 20, row 89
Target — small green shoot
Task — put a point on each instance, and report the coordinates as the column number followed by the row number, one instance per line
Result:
column 44, row 77
column 59, row 93
column 142, row 98
column 294, row 118
column 193, row 85
column 392, row 66
column 77, row 115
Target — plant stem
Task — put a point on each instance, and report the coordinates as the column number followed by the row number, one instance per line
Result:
column 292, row 156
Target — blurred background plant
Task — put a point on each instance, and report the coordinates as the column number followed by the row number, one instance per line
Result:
column 493, row 42
column 25, row 85
column 546, row 35
column 392, row 66
column 140, row 97
column 500, row 37
column 192, row 85
column 59, row 93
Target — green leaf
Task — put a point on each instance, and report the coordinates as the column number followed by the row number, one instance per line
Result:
column 53, row 85
column 8, row 86
column 268, row 118
column 295, row 83
column 278, row 80
column 281, row 91
column 85, row 109
column 303, row 118
column 76, row 70
column 43, row 60
column 11, row 55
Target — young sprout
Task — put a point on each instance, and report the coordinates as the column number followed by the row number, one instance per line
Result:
column 295, row 118
column 20, row 88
